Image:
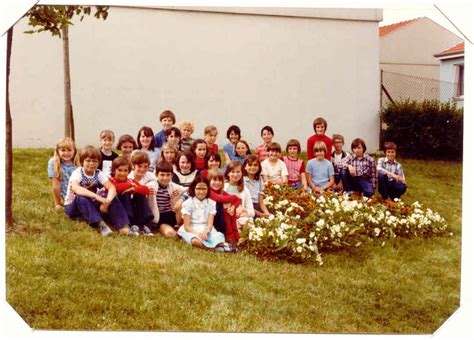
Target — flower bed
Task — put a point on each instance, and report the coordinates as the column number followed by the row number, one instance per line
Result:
column 304, row 226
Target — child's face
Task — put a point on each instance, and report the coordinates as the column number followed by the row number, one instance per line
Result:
column 293, row 151
column 212, row 163
column 201, row 150
column 241, row 149
column 267, row 136
column 145, row 140
column 121, row 173
column 126, row 149
column 319, row 154
column 90, row 165
column 66, row 154
column 273, row 155
column 186, row 132
column 106, row 143
column 320, row 129
column 166, row 123
column 216, row 184
column 210, row 137
column 252, row 168
column 173, row 139
column 184, row 165
column 338, row 144
column 140, row 169
column 169, row 155
column 358, row 151
column 201, row 191
column 390, row 154
column 164, row 178
column 233, row 137
column 235, row 175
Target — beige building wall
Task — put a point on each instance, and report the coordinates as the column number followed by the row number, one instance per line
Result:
column 282, row 68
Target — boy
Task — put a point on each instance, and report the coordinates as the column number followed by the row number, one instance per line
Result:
column 359, row 171
column 107, row 139
column 273, row 168
column 173, row 137
column 319, row 171
column 167, row 120
column 187, row 129
column 337, row 158
column 391, row 178
column 83, row 202
column 210, row 136
column 267, row 135
column 295, row 166
column 320, row 126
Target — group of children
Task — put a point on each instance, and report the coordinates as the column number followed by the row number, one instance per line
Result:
column 172, row 184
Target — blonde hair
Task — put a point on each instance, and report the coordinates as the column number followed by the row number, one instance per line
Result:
column 337, row 136
column 64, row 142
column 209, row 129
column 186, row 124
column 168, row 147
column 107, row 134
column 320, row 146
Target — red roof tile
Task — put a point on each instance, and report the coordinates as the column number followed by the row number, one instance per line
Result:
column 384, row 30
column 459, row 48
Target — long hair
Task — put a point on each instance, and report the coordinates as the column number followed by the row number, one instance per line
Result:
column 64, row 142
column 250, row 160
column 234, row 165
column 147, row 131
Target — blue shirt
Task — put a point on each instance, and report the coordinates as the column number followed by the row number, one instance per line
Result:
column 66, row 169
column 160, row 139
column 320, row 171
column 229, row 149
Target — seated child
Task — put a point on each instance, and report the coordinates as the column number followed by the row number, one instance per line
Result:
column 319, row 171
column 210, row 136
column 391, row 178
column 187, row 129
column 173, row 137
column 254, row 183
column 358, row 173
column 167, row 120
column 184, row 171
column 107, row 139
column 267, row 136
column 198, row 215
column 126, row 144
column 337, row 159
column 242, row 150
column 60, row 168
column 295, row 165
column 320, row 126
column 273, row 168
column 233, row 135
column 83, row 202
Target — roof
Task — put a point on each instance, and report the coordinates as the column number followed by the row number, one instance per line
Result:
column 458, row 49
column 384, row 30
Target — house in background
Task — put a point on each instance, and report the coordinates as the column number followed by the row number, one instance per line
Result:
column 451, row 70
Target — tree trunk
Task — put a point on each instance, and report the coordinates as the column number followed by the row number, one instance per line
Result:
column 9, row 161
column 68, row 127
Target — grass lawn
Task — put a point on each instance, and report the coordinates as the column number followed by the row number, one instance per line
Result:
column 63, row 275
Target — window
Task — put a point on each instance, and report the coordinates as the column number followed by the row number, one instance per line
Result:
column 459, row 74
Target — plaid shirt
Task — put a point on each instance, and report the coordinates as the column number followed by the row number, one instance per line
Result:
column 384, row 166
column 364, row 167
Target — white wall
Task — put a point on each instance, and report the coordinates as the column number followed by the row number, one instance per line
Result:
column 211, row 68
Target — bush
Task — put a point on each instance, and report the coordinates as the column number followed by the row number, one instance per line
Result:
column 426, row 130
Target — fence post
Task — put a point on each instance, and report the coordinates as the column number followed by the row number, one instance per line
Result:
column 380, row 109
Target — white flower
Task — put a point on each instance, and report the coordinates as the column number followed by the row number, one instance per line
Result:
column 284, row 202
column 320, row 223
column 377, row 231
column 276, row 186
column 299, row 249
column 300, row 240
column 311, row 235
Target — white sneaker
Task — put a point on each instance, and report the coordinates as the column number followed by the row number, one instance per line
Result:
column 134, row 231
column 105, row 230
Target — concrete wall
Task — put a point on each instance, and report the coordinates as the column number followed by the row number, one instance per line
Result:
column 209, row 67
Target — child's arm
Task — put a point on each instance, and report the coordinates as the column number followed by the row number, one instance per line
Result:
column 313, row 187
column 284, row 179
column 330, row 183
column 265, row 179
column 227, row 158
column 304, row 182
column 56, row 185
column 263, row 207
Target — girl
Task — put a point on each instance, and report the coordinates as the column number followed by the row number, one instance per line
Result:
column 319, row 171
column 235, row 185
column 60, row 168
column 254, row 183
column 146, row 143
column 242, row 150
column 199, row 149
column 295, row 166
column 213, row 161
column 173, row 137
column 267, row 136
column 273, row 168
column 198, row 216
column 233, row 135
column 126, row 145
column 184, row 171
column 168, row 153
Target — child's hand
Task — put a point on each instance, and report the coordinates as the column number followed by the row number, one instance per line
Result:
column 103, row 208
column 203, row 235
column 152, row 191
column 58, row 207
column 131, row 189
column 352, row 170
column 174, row 194
column 231, row 210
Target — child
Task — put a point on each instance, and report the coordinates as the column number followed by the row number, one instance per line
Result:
column 173, row 137
column 233, row 135
column 254, row 183
column 210, row 136
column 267, row 136
column 107, row 139
column 126, row 144
column 337, row 159
column 199, row 149
column 132, row 195
column 168, row 153
column 198, row 217
column 167, row 195
column 295, row 166
column 184, row 171
column 187, row 129
column 235, row 185
column 391, row 178
column 167, row 120
column 83, row 202
column 320, row 126
column 213, row 161
column 146, row 143
column 273, row 168
column 319, row 171
column 242, row 150
column 60, row 168
column 358, row 173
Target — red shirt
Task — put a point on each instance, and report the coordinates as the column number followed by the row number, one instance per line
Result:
column 130, row 183
column 213, row 149
column 319, row 138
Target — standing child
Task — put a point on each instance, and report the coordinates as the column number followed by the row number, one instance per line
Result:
column 168, row 153
column 126, row 144
column 320, row 126
column 337, row 158
column 359, row 172
column 187, row 129
column 210, row 136
column 213, row 161
column 242, row 150
column 146, row 143
column 60, row 168
column 83, row 202
column 233, row 135
column 295, row 166
column 198, row 218
column 199, row 149
column 273, row 168
column 107, row 139
column 184, row 171
column 173, row 138
column 167, row 120
column 254, row 183
column 267, row 136
column 391, row 178
column 319, row 171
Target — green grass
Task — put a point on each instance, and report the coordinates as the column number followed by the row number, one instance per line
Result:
column 63, row 275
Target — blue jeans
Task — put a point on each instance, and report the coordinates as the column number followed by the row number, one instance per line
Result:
column 390, row 189
column 356, row 183
column 137, row 208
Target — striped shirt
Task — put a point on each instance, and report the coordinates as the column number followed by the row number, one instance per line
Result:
column 295, row 168
column 163, row 199
column 384, row 166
